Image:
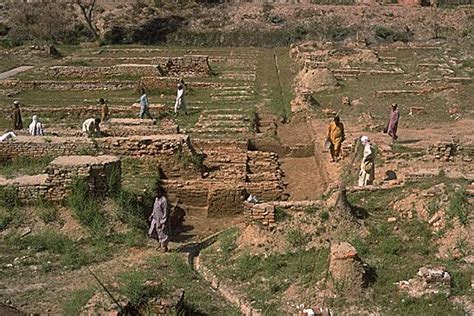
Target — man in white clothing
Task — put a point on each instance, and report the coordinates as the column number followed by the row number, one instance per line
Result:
column 7, row 136
column 180, row 101
column 367, row 165
column 91, row 127
column 36, row 128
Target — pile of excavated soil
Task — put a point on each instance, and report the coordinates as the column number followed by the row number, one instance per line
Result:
column 315, row 80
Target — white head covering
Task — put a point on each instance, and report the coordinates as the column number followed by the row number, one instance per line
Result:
column 364, row 139
column 16, row 102
column 35, row 118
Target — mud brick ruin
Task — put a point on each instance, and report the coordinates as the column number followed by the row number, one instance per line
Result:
column 99, row 172
column 184, row 66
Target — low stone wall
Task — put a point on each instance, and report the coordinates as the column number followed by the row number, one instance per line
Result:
column 99, row 172
column 188, row 65
column 71, row 85
column 28, row 188
column 264, row 213
column 161, row 148
column 153, row 145
column 448, row 150
column 161, row 83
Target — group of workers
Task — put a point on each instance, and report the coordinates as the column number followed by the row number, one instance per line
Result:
column 336, row 136
column 159, row 216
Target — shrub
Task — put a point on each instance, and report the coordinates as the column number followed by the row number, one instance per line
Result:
column 280, row 214
column 391, row 35
column 324, row 215
column 296, row 238
column 47, row 212
column 116, row 35
column 384, row 32
column 86, row 208
column 76, row 300
column 340, row 33
column 5, row 219
column 227, row 242
column 133, row 286
column 4, row 29
column 9, row 198
column 247, row 266
column 459, row 207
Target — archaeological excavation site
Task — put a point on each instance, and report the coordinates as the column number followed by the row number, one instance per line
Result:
column 236, row 157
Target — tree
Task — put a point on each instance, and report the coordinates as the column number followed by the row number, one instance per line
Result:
column 88, row 9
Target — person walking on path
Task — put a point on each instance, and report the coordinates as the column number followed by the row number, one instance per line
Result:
column 36, row 128
column 16, row 116
column 367, row 165
column 159, row 218
column 105, row 110
column 180, row 103
column 392, row 125
column 335, row 137
column 144, row 105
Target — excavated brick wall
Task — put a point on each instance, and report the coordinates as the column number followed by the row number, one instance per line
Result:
column 162, row 148
column 70, row 85
column 99, row 172
column 189, row 65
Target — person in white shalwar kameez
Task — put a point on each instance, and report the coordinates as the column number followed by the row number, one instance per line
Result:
column 159, row 218
column 367, row 165
column 35, row 128
column 180, row 103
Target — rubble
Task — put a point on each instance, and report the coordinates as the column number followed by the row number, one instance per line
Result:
column 428, row 281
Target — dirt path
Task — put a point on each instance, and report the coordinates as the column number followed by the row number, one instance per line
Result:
column 14, row 71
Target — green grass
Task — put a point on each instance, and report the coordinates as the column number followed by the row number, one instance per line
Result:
column 398, row 254
column 76, row 300
column 24, row 166
column 86, row 208
column 459, row 207
column 276, row 83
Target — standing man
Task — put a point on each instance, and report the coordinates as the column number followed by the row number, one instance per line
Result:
column 158, row 219
column 35, row 128
column 91, row 127
column 144, row 105
column 105, row 110
column 336, row 136
column 392, row 125
column 180, row 101
column 367, row 165
column 16, row 116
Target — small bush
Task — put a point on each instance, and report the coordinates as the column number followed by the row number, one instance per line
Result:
column 324, row 215
column 86, row 209
column 459, row 207
column 76, row 300
column 228, row 244
column 49, row 240
column 133, row 286
column 5, row 219
column 48, row 213
column 4, row 29
column 311, row 210
column 296, row 238
column 247, row 266
column 391, row 35
column 9, row 198
column 280, row 214
column 116, row 35
column 340, row 33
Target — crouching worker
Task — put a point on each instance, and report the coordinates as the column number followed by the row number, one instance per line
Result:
column 159, row 218
column 91, row 127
